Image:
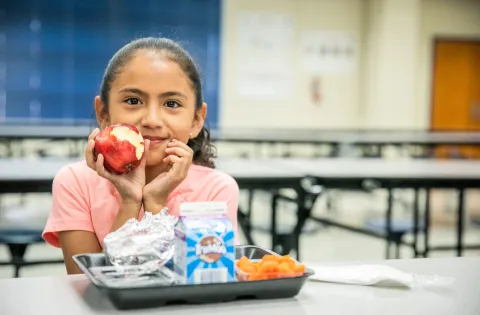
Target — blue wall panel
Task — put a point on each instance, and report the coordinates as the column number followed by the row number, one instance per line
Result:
column 56, row 50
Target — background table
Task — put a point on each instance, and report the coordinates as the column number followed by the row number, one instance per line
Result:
column 74, row 295
column 375, row 140
column 345, row 173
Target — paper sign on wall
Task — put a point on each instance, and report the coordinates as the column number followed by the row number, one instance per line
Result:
column 328, row 52
column 264, row 52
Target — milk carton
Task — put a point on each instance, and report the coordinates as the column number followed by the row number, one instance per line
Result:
column 204, row 244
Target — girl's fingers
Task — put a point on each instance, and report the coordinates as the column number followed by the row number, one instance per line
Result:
column 179, row 144
column 143, row 163
column 172, row 160
column 178, row 151
column 185, row 153
column 89, row 157
column 101, row 171
column 93, row 134
column 179, row 166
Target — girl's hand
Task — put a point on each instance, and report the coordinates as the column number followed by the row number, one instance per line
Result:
column 130, row 186
column 179, row 158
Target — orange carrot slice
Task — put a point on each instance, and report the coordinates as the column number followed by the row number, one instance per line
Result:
column 299, row 269
column 269, row 258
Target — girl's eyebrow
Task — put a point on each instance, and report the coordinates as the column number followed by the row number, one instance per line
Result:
column 133, row 90
column 163, row 95
column 173, row 93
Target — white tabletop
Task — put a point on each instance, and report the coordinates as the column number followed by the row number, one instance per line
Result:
column 46, row 131
column 32, row 169
column 74, row 295
column 382, row 168
column 256, row 168
column 348, row 137
column 45, row 169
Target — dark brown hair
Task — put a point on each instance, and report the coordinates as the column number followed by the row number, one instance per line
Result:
column 204, row 151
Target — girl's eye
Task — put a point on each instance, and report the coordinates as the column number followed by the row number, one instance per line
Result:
column 172, row 104
column 132, row 101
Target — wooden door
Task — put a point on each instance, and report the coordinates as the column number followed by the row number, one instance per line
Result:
column 456, row 92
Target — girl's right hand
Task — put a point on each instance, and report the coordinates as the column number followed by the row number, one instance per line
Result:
column 129, row 186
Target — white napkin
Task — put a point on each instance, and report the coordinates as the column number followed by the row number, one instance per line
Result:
column 379, row 275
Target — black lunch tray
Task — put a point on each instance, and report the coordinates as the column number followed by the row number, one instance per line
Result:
column 158, row 295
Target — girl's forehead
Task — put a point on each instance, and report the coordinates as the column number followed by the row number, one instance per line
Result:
column 150, row 69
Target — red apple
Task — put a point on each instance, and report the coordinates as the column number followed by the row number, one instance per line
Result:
column 122, row 147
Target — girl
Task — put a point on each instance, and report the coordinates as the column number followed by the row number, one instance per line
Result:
column 153, row 84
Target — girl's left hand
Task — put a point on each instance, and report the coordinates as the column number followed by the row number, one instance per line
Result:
column 179, row 157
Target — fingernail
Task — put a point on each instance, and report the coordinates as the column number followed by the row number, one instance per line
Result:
column 173, row 140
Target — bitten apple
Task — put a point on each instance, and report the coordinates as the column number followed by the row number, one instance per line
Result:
column 122, row 147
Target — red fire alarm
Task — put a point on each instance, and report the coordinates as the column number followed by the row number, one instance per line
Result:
column 315, row 91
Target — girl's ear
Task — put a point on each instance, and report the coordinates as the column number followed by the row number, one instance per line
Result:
column 199, row 120
column 101, row 113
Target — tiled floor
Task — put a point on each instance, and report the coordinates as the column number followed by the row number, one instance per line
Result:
column 329, row 244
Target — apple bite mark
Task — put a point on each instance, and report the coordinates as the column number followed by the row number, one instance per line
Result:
column 124, row 133
column 122, row 147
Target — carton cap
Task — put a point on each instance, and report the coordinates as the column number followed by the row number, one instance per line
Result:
column 189, row 209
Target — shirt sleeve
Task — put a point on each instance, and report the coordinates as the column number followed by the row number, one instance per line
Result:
column 70, row 209
column 227, row 190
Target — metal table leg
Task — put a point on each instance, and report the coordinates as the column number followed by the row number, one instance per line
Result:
column 427, row 223
column 302, row 215
column 388, row 226
column 460, row 214
column 415, row 223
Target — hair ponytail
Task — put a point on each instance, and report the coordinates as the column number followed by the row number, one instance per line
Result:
column 204, row 152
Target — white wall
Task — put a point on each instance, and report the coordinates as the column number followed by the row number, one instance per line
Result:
column 393, row 37
column 390, row 87
column 341, row 93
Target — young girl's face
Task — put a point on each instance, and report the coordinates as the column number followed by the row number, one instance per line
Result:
column 153, row 93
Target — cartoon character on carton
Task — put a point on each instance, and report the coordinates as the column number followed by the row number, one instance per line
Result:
column 205, row 248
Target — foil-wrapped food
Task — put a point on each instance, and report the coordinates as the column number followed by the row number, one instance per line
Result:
column 146, row 245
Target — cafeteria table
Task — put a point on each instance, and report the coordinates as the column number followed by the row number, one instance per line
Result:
column 74, row 295
column 276, row 173
column 346, row 173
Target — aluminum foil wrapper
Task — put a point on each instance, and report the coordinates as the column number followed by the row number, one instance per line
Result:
column 145, row 245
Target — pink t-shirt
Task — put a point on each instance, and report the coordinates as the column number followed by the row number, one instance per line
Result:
column 82, row 200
